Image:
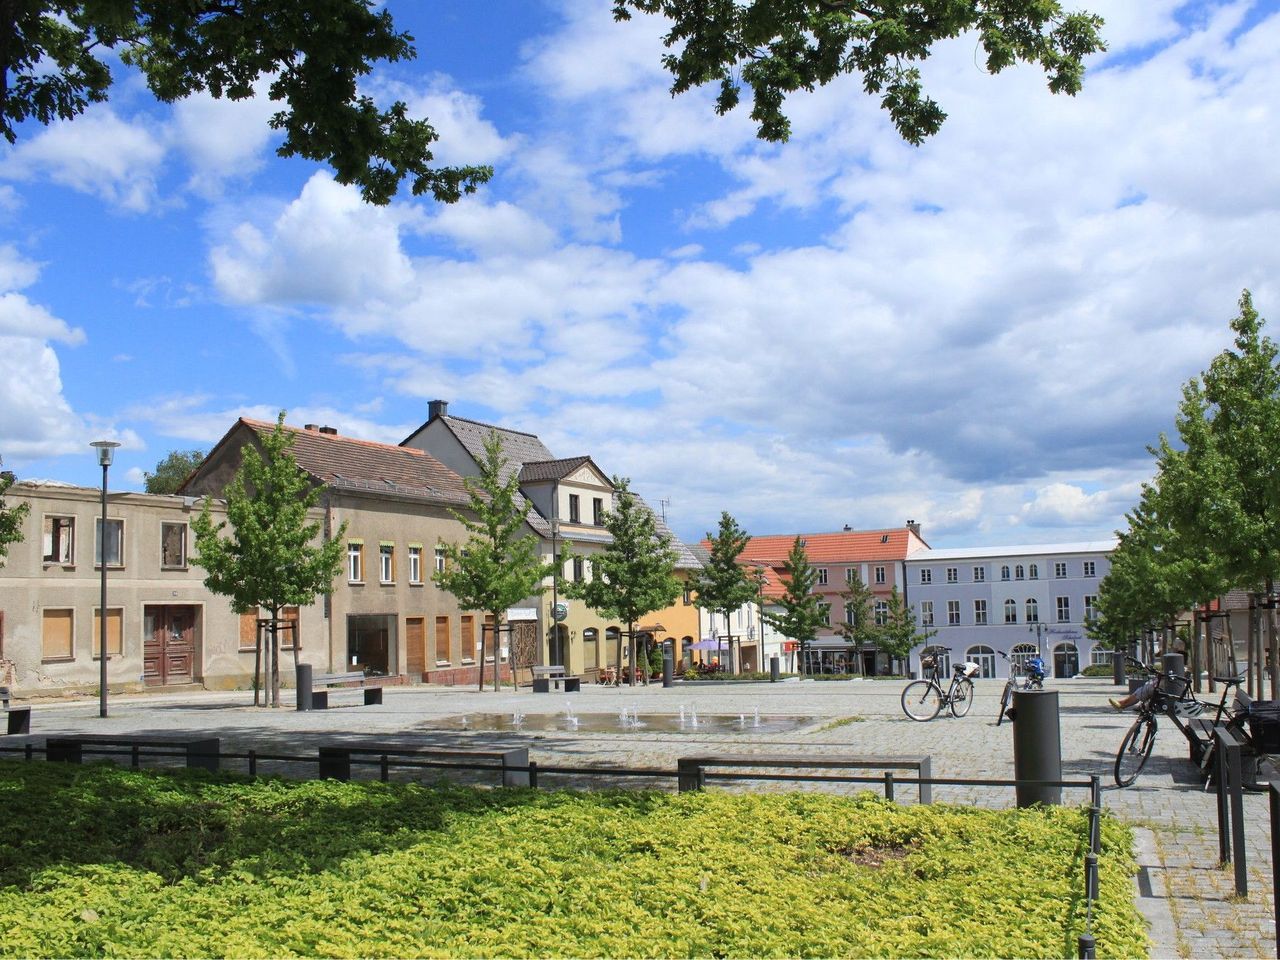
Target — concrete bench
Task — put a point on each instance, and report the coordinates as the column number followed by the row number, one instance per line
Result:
column 545, row 677
column 311, row 698
column 512, row 765
column 19, row 718
column 202, row 753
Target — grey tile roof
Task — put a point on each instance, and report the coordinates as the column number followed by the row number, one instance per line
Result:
column 518, row 448
column 535, row 471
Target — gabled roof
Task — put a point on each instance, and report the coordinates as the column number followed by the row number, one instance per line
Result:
column 539, row 470
column 518, row 448
column 364, row 465
column 848, row 546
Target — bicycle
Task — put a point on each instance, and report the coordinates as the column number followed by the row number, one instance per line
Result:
column 924, row 699
column 1032, row 674
column 1172, row 697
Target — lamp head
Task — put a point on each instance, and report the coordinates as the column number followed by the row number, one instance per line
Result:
column 106, row 451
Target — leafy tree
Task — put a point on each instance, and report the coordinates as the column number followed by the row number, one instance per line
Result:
column 802, row 611
column 859, row 626
column 635, row 574
column 313, row 53
column 173, row 470
column 271, row 559
column 777, row 48
column 10, row 517
column 898, row 634
column 724, row 585
column 497, row 567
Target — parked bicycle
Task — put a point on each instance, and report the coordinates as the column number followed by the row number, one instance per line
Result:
column 1172, row 697
column 924, row 699
column 1025, row 674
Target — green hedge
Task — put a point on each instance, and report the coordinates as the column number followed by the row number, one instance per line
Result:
column 104, row 861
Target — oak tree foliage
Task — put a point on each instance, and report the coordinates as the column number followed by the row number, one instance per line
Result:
column 172, row 471
column 10, row 517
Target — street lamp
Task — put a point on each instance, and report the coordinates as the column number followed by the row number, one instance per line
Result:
column 1038, row 627
column 106, row 451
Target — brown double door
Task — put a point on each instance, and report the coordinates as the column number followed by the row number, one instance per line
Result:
column 168, row 644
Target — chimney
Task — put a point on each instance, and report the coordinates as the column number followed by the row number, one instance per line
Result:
column 437, row 408
column 311, row 427
column 329, row 431
column 913, row 527
column 848, row 529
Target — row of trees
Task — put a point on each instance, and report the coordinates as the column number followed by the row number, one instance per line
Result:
column 1209, row 521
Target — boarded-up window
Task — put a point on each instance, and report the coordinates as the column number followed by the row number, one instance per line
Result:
column 56, row 634
column 249, row 627
column 115, row 631
column 248, row 630
column 441, row 652
column 415, row 647
column 467, row 629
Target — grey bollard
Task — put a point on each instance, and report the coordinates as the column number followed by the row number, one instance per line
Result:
column 304, row 688
column 1037, row 746
column 668, row 666
column 1175, row 666
column 775, row 669
column 1117, row 668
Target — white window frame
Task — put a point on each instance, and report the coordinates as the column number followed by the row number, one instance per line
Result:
column 65, row 556
column 926, row 613
column 979, row 574
column 926, row 575
column 1033, row 610
column 953, row 613
column 879, row 575
column 386, row 563
column 953, row 574
column 1064, row 609
column 980, row 612
column 1090, row 570
column 822, row 576
column 1090, row 606
column 1011, row 607
column 1059, row 569
column 415, row 565
column 880, row 612
column 355, row 562
column 440, row 559
column 1004, row 572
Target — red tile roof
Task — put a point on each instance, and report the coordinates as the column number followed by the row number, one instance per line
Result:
column 850, row 546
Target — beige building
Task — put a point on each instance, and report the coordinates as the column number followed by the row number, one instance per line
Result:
column 164, row 628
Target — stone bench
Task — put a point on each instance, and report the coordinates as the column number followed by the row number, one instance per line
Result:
column 545, row 677
column 202, row 753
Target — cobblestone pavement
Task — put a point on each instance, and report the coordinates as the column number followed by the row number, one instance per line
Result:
column 1188, row 899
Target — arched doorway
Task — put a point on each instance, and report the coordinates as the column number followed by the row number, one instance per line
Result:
column 558, row 646
column 1066, row 660
column 1021, row 653
column 985, row 658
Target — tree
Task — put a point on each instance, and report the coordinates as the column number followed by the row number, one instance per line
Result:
column 802, row 611
column 173, row 470
column 497, row 567
column 777, row 48
column 635, row 574
column 313, row 53
column 10, row 517
column 859, row 626
column 271, row 559
column 898, row 634
column 724, row 585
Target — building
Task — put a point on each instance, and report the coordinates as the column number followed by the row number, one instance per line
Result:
column 164, row 628
column 1019, row 601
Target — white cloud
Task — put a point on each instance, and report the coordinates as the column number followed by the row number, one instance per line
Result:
column 223, row 139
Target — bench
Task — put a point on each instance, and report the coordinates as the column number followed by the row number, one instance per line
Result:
column 320, row 698
column 547, row 676
column 202, row 753
column 19, row 717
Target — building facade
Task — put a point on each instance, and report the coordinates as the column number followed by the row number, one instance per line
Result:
column 1018, row 601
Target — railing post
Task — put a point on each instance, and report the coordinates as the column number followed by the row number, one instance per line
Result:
column 28, row 752
column 1231, row 791
column 1086, row 949
column 533, row 774
column 688, row 774
column 888, row 785
column 1273, row 797
column 924, row 771
column 1091, row 875
column 133, row 757
column 384, row 769
column 253, row 763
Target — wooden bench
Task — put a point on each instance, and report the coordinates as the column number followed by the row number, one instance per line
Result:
column 547, row 676
column 320, row 698
column 19, row 718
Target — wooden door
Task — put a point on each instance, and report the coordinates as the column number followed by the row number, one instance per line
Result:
column 415, row 648
column 168, row 646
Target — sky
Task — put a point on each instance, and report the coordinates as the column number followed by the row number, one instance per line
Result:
column 982, row 334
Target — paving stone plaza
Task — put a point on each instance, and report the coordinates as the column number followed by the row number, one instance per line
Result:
column 1186, row 896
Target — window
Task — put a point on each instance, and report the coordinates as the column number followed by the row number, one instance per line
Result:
column 688, row 595
column 1033, row 612
column 114, row 543
column 439, row 559
column 355, row 561
column 881, row 613
column 849, row 614
column 1064, row 609
column 56, row 634
column 953, row 613
column 985, row 658
column 467, row 633
column 979, row 574
column 1017, row 572
column 1004, row 573
column 849, row 575
column 415, row 564
column 953, row 574
column 1010, row 611
column 1100, row 656
column 879, row 574
column 173, row 545
column 60, row 540
column 575, row 510
column 386, row 563
column 1023, row 652
column 597, row 511
column 980, row 612
column 824, row 611
column 926, row 613
column 1090, row 607
column 442, row 642
column 579, row 570
column 1059, row 570
column 115, row 632
column 1091, row 570
column 822, row 576
column 1033, row 572
column 926, row 576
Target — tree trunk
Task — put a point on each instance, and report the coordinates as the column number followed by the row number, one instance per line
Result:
column 1193, row 649
column 257, row 663
column 617, row 682
column 1251, row 651
column 1273, row 643
column 480, row 669
column 275, row 660
column 631, row 654
column 497, row 650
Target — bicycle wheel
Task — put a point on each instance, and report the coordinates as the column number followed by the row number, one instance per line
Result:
column 922, row 700
column 1004, row 702
column 961, row 697
column 1134, row 750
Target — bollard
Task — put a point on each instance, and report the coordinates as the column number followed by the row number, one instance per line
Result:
column 1037, row 746
column 1086, row 947
column 1117, row 669
column 668, row 665
column 303, row 680
column 775, row 669
column 1175, row 666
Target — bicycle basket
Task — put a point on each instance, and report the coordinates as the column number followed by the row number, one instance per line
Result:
column 927, row 662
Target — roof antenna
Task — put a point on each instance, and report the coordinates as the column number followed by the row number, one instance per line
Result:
column 663, row 503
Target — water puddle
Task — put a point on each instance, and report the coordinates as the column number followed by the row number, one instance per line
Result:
column 626, row 721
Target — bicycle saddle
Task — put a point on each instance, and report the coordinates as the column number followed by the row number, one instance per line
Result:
column 1236, row 680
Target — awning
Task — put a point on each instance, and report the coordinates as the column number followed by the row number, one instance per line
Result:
column 708, row 645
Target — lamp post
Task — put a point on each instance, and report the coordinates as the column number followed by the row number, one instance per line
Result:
column 1038, row 627
column 106, row 451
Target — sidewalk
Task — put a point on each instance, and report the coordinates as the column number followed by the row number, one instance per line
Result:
column 1187, row 898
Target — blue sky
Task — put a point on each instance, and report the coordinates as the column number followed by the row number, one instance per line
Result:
column 982, row 334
